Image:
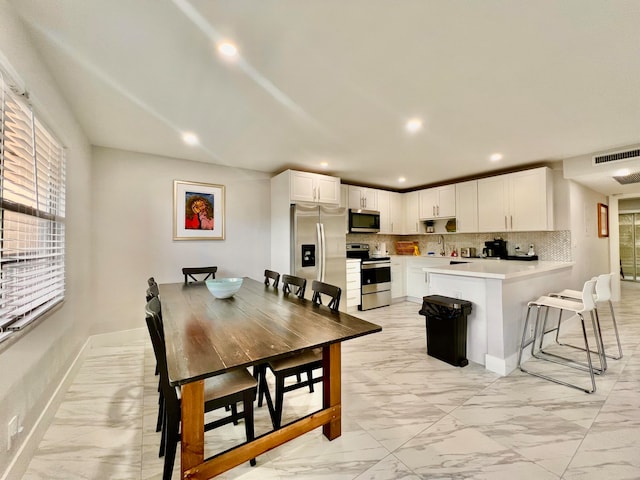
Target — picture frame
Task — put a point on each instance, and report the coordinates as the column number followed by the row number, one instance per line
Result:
column 198, row 211
column 603, row 220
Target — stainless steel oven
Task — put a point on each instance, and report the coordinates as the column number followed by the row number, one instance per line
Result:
column 375, row 277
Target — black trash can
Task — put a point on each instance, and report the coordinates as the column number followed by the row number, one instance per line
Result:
column 446, row 322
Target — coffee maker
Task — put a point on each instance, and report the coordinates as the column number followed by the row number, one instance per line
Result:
column 495, row 248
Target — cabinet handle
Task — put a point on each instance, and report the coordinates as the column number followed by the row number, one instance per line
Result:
column 438, row 210
column 511, row 218
column 433, row 210
column 505, row 222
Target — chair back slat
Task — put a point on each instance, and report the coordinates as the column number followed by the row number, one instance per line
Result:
column 154, row 325
column 327, row 289
column 293, row 284
column 271, row 276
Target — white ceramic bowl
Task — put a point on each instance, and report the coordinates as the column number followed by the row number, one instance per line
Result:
column 224, row 287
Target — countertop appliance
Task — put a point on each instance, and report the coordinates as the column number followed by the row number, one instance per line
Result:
column 467, row 252
column 318, row 238
column 364, row 221
column 375, row 277
column 495, row 248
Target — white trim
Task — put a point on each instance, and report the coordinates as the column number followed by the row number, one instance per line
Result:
column 18, row 465
column 20, row 462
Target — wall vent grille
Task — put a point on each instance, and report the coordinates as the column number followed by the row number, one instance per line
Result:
column 616, row 157
column 628, row 179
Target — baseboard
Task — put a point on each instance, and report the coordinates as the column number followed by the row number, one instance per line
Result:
column 27, row 449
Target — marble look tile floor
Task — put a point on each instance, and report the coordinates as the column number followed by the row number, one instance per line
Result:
column 405, row 416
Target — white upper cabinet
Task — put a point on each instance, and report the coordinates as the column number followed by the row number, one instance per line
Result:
column 467, row 207
column 391, row 212
column 363, row 198
column 396, row 206
column 439, row 202
column 314, row 187
column 384, row 206
column 412, row 213
column 521, row 201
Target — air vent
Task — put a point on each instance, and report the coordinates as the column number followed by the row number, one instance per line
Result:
column 628, row 179
column 616, row 157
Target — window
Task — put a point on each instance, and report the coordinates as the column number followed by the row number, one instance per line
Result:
column 32, row 210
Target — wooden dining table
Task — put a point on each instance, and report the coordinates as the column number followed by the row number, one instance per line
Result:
column 206, row 336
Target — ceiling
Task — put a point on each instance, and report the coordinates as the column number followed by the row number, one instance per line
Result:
column 336, row 80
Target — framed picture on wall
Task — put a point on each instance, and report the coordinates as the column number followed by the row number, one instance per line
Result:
column 603, row 220
column 198, row 211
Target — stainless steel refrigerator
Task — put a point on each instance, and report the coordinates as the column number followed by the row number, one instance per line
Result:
column 319, row 245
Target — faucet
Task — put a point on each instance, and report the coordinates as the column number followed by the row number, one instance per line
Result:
column 443, row 252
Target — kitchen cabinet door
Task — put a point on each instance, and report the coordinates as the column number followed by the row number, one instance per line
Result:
column 384, row 207
column 314, row 188
column 411, row 213
column 467, row 207
column 363, row 198
column 531, row 200
column 521, row 201
column 492, row 204
column 439, row 202
column 396, row 207
column 398, row 274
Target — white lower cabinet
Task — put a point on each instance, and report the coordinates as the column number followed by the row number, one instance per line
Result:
column 398, row 274
column 353, row 284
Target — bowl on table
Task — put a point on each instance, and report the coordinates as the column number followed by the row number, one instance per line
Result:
column 224, row 287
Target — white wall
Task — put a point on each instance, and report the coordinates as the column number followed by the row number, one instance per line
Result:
column 589, row 252
column 33, row 362
column 132, row 223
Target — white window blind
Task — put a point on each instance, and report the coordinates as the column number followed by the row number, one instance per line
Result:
column 32, row 210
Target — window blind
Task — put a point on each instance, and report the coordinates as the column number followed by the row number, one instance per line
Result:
column 32, row 211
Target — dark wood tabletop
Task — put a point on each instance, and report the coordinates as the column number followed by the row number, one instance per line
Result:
column 206, row 336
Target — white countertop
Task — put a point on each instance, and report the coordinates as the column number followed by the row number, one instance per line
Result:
column 498, row 269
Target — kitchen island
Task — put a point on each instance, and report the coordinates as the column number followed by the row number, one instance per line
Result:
column 499, row 291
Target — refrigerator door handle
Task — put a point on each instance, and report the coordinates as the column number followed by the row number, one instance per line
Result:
column 320, row 251
column 323, row 254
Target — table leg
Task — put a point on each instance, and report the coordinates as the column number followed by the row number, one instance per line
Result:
column 331, row 386
column 192, row 442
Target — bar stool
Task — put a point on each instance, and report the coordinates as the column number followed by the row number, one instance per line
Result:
column 580, row 309
column 603, row 294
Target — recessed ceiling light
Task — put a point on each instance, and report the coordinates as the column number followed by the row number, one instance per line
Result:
column 495, row 157
column 413, row 125
column 324, row 164
column 228, row 49
column 402, row 180
column 190, row 138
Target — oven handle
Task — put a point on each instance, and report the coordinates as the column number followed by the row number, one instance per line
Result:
column 368, row 266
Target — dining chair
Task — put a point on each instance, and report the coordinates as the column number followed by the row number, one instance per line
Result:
column 320, row 288
column 293, row 284
column 220, row 391
column 304, row 362
column 270, row 275
column 190, row 272
column 535, row 335
column 602, row 295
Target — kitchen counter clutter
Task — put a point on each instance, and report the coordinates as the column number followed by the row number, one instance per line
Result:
column 499, row 291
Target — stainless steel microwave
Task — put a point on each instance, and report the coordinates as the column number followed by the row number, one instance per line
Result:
column 364, row 221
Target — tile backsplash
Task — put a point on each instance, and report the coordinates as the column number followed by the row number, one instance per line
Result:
column 552, row 246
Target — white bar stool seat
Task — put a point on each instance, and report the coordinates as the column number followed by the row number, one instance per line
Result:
column 602, row 294
column 542, row 305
